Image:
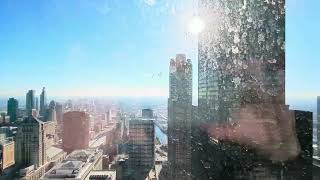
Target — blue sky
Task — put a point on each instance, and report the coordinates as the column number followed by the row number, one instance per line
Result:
column 91, row 47
column 107, row 47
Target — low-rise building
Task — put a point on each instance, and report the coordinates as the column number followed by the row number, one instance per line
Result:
column 6, row 154
column 77, row 165
column 53, row 156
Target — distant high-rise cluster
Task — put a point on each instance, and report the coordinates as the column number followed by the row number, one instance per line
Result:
column 240, row 129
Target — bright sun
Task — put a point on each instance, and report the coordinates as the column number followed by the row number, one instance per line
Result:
column 196, row 25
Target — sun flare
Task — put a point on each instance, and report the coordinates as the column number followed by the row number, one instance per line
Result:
column 196, row 25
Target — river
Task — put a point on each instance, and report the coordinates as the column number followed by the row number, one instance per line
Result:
column 161, row 136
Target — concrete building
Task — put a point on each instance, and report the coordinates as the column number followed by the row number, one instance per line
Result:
column 34, row 138
column 179, row 118
column 9, row 131
column 49, row 136
column 43, row 102
column 30, row 101
column 7, row 158
column 29, row 146
column 34, row 151
column 76, row 128
column 77, row 165
column 12, row 109
column 54, row 156
column 5, row 120
column 59, row 118
column 141, row 147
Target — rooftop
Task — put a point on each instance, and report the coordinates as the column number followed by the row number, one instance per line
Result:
column 53, row 151
column 75, row 165
column 32, row 119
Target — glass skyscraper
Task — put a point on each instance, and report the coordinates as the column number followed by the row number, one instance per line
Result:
column 43, row 102
column 12, row 109
column 179, row 121
column 241, row 61
column 30, row 101
column 241, row 56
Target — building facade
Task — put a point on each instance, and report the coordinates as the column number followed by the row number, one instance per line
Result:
column 7, row 153
column 77, row 165
column 179, row 118
column 59, row 118
column 76, row 127
column 141, row 147
column 29, row 147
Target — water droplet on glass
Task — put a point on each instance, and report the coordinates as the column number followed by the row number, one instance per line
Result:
column 272, row 61
column 237, row 81
column 236, row 39
column 235, row 50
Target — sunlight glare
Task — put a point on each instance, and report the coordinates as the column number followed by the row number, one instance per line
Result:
column 196, row 25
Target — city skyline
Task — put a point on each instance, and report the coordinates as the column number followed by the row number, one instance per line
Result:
column 159, row 89
column 140, row 63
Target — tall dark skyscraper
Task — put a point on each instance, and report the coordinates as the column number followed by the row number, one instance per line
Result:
column 241, row 61
column 30, row 101
column 179, row 118
column 12, row 109
column 43, row 102
column 318, row 125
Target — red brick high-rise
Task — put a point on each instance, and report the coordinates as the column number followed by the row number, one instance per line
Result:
column 76, row 128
